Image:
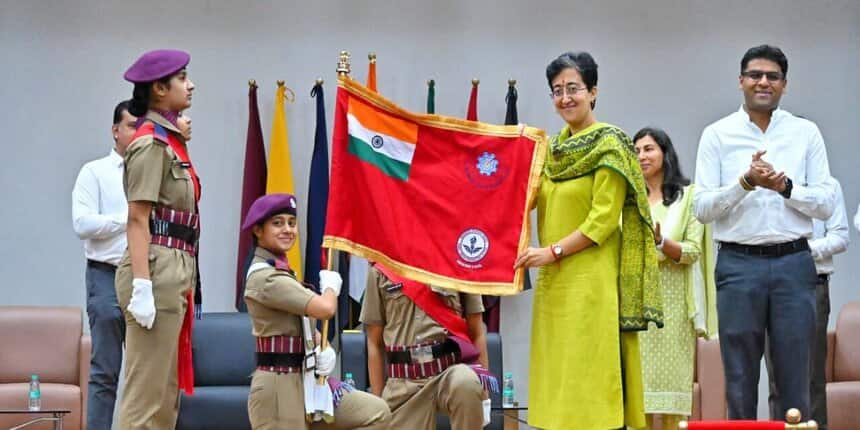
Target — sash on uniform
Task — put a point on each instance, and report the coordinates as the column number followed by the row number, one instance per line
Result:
column 185, row 361
column 435, row 307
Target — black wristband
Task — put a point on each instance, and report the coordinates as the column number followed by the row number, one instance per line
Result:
column 788, row 186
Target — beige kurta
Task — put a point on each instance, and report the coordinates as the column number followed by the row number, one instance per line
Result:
column 668, row 354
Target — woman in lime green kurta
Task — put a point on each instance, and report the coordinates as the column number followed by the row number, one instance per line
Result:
column 686, row 268
column 597, row 283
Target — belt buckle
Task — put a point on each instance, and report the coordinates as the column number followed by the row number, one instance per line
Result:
column 422, row 354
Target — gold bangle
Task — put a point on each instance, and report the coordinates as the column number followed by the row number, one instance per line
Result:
column 745, row 184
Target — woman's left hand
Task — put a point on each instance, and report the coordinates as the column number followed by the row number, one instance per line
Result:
column 534, row 257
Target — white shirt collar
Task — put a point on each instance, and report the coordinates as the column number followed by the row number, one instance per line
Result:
column 115, row 158
column 776, row 116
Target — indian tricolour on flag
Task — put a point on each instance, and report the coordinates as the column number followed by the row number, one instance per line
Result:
column 436, row 199
column 383, row 140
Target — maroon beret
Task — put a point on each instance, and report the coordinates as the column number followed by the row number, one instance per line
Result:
column 157, row 64
column 267, row 206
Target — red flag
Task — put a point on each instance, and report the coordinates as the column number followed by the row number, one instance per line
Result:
column 472, row 111
column 253, row 186
column 438, row 200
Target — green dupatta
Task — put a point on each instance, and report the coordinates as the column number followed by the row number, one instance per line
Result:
column 604, row 145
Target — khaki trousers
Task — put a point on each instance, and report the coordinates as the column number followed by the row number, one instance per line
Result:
column 456, row 392
column 150, row 399
column 277, row 402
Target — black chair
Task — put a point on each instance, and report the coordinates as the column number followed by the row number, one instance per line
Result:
column 224, row 361
column 354, row 360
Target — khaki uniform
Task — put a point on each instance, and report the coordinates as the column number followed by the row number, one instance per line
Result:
column 150, row 398
column 456, row 392
column 276, row 303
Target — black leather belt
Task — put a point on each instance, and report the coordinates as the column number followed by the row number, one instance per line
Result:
column 280, row 359
column 776, row 250
column 101, row 265
column 438, row 350
column 162, row 227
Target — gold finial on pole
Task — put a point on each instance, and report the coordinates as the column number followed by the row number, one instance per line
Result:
column 475, row 82
column 280, row 82
column 372, row 57
column 343, row 64
column 320, row 81
column 252, row 83
column 793, row 416
column 512, row 82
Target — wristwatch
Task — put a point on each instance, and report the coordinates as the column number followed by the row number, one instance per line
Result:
column 557, row 251
column 788, row 186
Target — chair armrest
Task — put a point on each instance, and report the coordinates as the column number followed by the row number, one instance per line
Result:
column 709, row 374
column 84, row 375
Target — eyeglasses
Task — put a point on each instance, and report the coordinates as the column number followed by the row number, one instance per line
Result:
column 570, row 89
column 756, row 75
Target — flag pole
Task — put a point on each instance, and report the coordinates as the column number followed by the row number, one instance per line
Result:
column 342, row 70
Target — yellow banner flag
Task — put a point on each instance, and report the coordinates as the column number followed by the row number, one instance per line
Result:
column 280, row 178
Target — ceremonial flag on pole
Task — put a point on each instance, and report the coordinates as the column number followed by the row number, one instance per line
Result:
column 512, row 118
column 317, row 193
column 253, row 186
column 436, row 199
column 371, row 72
column 280, row 179
column 492, row 305
column 431, row 96
column 472, row 111
column 357, row 267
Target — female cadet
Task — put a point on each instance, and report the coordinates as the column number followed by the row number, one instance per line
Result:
column 156, row 277
column 277, row 303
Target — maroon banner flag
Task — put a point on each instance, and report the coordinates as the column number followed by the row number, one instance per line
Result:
column 253, row 186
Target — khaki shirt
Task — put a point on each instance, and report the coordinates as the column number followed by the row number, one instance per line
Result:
column 153, row 172
column 405, row 323
column 276, row 301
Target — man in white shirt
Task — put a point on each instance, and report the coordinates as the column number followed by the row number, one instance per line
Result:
column 761, row 177
column 99, row 212
column 828, row 239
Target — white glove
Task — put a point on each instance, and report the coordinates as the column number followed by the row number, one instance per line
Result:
column 142, row 303
column 326, row 359
column 486, row 406
column 330, row 280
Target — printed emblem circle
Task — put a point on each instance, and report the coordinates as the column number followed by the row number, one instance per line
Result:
column 376, row 141
column 472, row 246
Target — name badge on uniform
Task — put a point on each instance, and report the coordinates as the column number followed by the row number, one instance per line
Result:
column 393, row 288
column 184, row 164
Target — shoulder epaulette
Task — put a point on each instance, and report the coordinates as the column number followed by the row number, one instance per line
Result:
column 159, row 132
